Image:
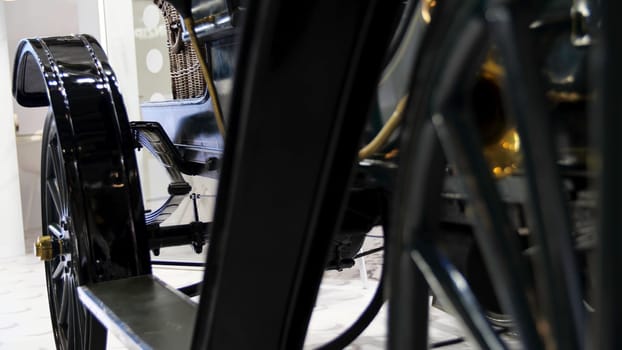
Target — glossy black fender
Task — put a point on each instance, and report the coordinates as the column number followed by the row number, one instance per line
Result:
column 72, row 76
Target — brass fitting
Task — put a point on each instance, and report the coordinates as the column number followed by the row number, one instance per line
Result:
column 504, row 156
column 427, row 7
column 44, row 248
column 502, row 148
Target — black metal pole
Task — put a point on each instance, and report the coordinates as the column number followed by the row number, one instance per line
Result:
column 305, row 81
column 414, row 217
column 607, row 118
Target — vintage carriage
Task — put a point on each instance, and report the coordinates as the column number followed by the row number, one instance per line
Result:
column 501, row 227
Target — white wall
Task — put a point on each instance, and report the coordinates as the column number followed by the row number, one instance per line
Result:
column 27, row 19
column 119, row 44
column 12, row 237
column 32, row 18
column 89, row 21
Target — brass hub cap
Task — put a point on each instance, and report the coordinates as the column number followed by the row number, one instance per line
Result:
column 53, row 244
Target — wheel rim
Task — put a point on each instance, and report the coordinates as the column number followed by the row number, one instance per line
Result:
column 71, row 322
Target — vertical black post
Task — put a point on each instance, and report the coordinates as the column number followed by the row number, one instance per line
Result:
column 415, row 217
column 607, row 119
column 305, row 80
column 414, row 211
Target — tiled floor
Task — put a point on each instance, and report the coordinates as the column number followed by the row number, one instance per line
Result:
column 24, row 322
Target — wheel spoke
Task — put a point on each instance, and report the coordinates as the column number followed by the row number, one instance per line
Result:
column 53, row 156
column 86, row 327
column 64, row 304
column 58, row 271
column 54, row 192
column 56, row 291
column 76, row 317
column 71, row 333
column 60, row 174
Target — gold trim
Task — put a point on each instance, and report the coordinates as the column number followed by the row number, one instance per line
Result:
column 43, row 248
column 387, row 129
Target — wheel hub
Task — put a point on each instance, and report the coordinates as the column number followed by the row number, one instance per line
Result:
column 47, row 248
column 51, row 245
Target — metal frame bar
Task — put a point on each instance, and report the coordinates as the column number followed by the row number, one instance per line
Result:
column 171, row 236
column 178, row 263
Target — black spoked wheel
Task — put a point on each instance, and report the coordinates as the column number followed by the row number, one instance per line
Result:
column 92, row 213
column 74, row 327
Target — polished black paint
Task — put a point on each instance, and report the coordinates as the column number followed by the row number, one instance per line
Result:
column 306, row 76
column 190, row 124
column 191, row 127
column 73, row 77
column 606, row 125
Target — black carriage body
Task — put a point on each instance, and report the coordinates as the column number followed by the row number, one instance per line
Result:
column 296, row 88
column 190, row 124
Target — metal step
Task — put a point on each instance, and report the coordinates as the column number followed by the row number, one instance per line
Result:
column 143, row 312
